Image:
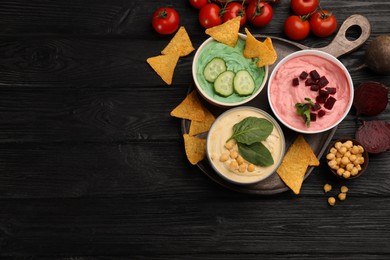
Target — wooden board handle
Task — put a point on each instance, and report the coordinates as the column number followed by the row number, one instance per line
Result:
column 340, row 45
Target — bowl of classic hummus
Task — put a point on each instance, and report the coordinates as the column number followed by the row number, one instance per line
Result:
column 245, row 145
column 310, row 91
column 213, row 59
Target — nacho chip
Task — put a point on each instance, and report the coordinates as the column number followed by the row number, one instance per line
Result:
column 274, row 55
column 180, row 44
column 195, row 148
column 294, row 165
column 257, row 49
column 252, row 46
column 190, row 108
column 164, row 66
column 227, row 32
column 198, row 127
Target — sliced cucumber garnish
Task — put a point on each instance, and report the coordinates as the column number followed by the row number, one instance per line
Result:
column 243, row 83
column 223, row 85
column 212, row 70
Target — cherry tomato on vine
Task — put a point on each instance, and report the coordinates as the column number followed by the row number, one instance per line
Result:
column 209, row 16
column 296, row 27
column 323, row 23
column 259, row 13
column 304, row 7
column 165, row 20
column 232, row 10
column 198, row 4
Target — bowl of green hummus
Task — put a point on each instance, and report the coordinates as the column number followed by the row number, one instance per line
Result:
column 223, row 76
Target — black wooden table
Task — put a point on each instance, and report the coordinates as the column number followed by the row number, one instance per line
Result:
column 93, row 165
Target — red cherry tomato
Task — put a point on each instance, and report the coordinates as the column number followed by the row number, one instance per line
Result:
column 323, row 23
column 198, row 4
column 165, row 20
column 232, row 10
column 296, row 27
column 303, row 7
column 259, row 13
column 209, row 16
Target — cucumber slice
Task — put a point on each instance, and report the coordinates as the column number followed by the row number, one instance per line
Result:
column 212, row 70
column 243, row 83
column 223, row 84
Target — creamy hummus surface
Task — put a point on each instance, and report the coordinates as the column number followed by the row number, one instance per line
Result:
column 235, row 61
column 284, row 96
column 222, row 130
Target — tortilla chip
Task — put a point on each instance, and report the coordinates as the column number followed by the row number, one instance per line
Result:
column 257, row 49
column 190, row 108
column 252, row 46
column 274, row 55
column 294, row 165
column 164, row 66
column 195, row 148
column 180, row 44
column 227, row 32
column 198, row 127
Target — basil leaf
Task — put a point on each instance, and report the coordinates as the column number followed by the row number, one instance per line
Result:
column 303, row 109
column 256, row 153
column 251, row 130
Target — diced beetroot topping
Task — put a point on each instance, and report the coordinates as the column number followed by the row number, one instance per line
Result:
column 329, row 103
column 321, row 113
column 314, row 87
column 309, row 82
column 322, row 82
column 295, row 82
column 303, row 75
column 320, row 99
column 323, row 93
column 331, row 91
column 313, row 117
column 314, row 75
column 316, row 107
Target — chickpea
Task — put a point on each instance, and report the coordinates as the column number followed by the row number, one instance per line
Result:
column 347, row 154
column 338, row 160
column 349, row 166
column 344, row 189
column 355, row 149
column 340, row 171
column 251, row 167
column 359, row 167
column 342, row 196
column 345, row 160
column 242, row 167
column 230, row 144
column 352, row 158
column 354, row 171
column 346, row 174
column 342, row 149
column 361, row 149
column 327, row 188
column 224, row 157
column 348, row 144
column 338, row 145
column 333, row 150
column 240, row 160
column 332, row 164
column 331, row 201
column 339, row 155
column 233, row 154
column 233, row 165
column 330, row 156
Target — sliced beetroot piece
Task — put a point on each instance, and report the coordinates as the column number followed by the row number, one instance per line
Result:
column 314, row 87
column 371, row 98
column 303, row 75
column 320, row 99
column 316, row 107
column 323, row 93
column 321, row 113
column 295, row 82
column 374, row 136
column 309, row 82
column 331, row 91
column 322, row 82
column 330, row 103
column 314, row 75
column 313, row 117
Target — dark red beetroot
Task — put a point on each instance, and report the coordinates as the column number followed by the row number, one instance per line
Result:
column 371, row 98
column 374, row 136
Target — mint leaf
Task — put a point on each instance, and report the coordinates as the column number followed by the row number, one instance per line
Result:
column 251, row 130
column 256, row 153
column 303, row 109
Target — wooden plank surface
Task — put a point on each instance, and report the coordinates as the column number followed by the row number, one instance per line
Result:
column 92, row 166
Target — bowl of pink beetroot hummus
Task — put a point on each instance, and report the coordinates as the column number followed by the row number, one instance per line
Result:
column 310, row 91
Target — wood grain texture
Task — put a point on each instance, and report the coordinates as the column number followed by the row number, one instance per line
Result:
column 92, row 166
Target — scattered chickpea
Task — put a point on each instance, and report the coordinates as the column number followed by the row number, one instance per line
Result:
column 342, row 196
column 348, row 144
column 330, row 156
column 333, row 150
column 338, row 145
column 345, row 160
column 233, row 165
column 331, row 201
column 344, row 189
column 233, row 154
column 240, row 160
column 251, row 167
column 229, row 145
column 342, row 149
column 242, row 167
column 224, row 157
column 346, row 174
column 327, row 188
column 340, row 171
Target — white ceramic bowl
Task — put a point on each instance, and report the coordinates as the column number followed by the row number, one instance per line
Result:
column 206, row 89
column 221, row 131
column 283, row 96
